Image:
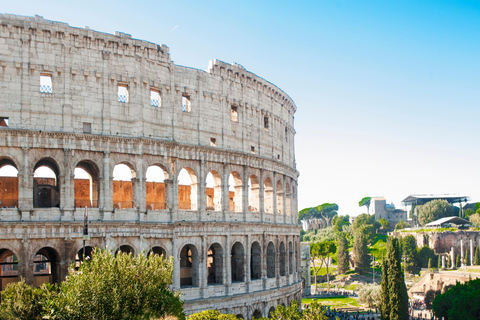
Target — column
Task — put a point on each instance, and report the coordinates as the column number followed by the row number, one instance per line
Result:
column 225, row 192
column 248, row 253
column 202, row 272
column 201, row 191
column 228, row 267
column 245, row 193
column 264, row 260
column 284, row 201
column 443, row 261
column 170, row 196
column 287, row 259
column 471, row 252
column 65, row 199
column 452, row 255
column 461, row 253
column 176, row 264
column 261, row 191
column 141, row 195
column 274, row 191
column 277, row 260
column 107, row 180
column 25, row 183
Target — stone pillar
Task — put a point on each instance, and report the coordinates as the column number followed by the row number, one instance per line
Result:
column 471, row 252
column 248, row 255
column 264, row 260
column 443, row 261
column 274, row 198
column 141, row 194
column 169, row 196
column 228, row 266
column 225, row 193
column 65, row 181
column 201, row 191
column 107, row 187
column 261, row 191
column 461, row 253
column 277, row 260
column 284, row 201
column 202, row 272
column 245, row 193
column 452, row 255
column 287, row 259
column 265, row 309
column 101, row 186
column 176, row 264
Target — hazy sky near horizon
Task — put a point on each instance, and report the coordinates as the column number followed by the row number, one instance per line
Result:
column 387, row 92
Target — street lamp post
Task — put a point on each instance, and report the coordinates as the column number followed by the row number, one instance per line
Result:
column 85, row 230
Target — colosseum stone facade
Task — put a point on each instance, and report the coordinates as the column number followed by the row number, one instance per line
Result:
column 208, row 165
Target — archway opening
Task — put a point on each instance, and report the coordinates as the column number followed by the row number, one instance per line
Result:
column 213, row 197
column 86, row 185
column 235, row 192
column 270, row 312
column 187, row 189
column 237, row 263
column 46, row 189
column 239, row 316
column 290, row 258
column 282, row 258
column 268, row 187
column 158, row 251
column 215, row 264
column 123, row 177
column 257, row 314
column 8, row 268
column 256, row 261
column 79, row 257
column 8, row 184
column 270, row 260
column 155, row 188
column 189, row 266
column 253, row 194
column 45, row 267
column 279, row 197
column 125, row 249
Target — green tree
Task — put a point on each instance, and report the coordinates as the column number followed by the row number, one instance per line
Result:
column 457, row 261
column 23, row 302
column 326, row 212
column 468, row 213
column 429, row 297
column 384, row 223
column 370, row 295
column 384, row 296
column 397, row 291
column 211, row 315
column 433, row 210
column 121, row 286
column 457, row 303
column 361, row 258
column 476, row 260
column 409, row 250
column 321, row 251
column 449, row 261
column 424, row 255
column 467, row 257
column 315, row 311
column 338, row 223
column 365, row 202
column 439, row 263
column 366, row 225
column 284, row 313
column 402, row 225
column 343, row 260
column 475, row 219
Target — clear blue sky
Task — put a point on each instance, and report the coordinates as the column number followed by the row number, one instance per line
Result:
column 388, row 92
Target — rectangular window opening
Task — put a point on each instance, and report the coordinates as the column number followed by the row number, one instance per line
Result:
column 186, row 104
column 234, row 114
column 122, row 93
column 87, row 127
column 278, row 157
column 252, row 149
column 45, row 83
column 286, row 134
column 154, row 98
column 265, row 123
column 213, row 142
column 3, row 122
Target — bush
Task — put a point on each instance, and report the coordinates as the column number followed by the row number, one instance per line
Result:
column 211, row 315
column 369, row 295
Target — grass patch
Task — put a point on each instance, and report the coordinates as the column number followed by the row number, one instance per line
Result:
column 323, row 271
column 438, row 230
column 379, row 246
column 336, row 302
column 353, row 287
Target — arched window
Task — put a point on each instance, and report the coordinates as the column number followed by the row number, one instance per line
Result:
column 257, row 314
column 270, row 260
column 282, row 259
column 187, row 189
column 215, row 264
column 189, row 266
column 279, row 197
column 8, row 268
column 123, row 175
column 8, row 184
column 290, row 258
column 46, row 187
column 158, row 251
column 213, row 198
column 86, row 185
column 253, row 194
column 235, row 188
column 256, row 261
column 155, row 188
column 268, row 189
column 79, row 257
column 270, row 311
column 125, row 249
column 45, row 267
column 238, row 261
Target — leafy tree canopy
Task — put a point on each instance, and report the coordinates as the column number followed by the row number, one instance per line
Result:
column 402, row 225
column 434, row 210
column 475, row 219
column 384, row 223
column 457, row 303
column 366, row 225
column 324, row 211
column 365, row 202
column 211, row 315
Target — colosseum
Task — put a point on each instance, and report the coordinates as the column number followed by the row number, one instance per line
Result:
column 195, row 165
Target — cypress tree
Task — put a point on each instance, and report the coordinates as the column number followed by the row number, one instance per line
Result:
column 467, row 257
column 476, row 261
column 343, row 262
column 397, row 291
column 439, row 264
column 384, row 298
column 449, row 261
column 360, row 253
column 457, row 261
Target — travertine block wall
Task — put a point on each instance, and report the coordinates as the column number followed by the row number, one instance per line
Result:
column 82, row 124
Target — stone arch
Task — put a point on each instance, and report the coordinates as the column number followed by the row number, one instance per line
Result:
column 282, row 259
column 256, row 261
column 8, row 183
column 124, row 177
column 253, row 194
column 268, row 190
column 280, row 209
column 155, row 195
column 215, row 264
column 257, row 314
column 271, row 260
column 290, row 258
column 187, row 191
column 288, row 199
column 270, row 311
column 213, row 191
column 8, row 268
column 46, row 184
column 46, row 267
column 238, row 262
column 235, row 187
column 239, row 316
column 86, row 185
column 79, row 256
column 189, row 265
column 160, row 251
column 126, row 249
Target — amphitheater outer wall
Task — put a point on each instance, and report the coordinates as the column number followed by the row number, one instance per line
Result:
column 236, row 123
